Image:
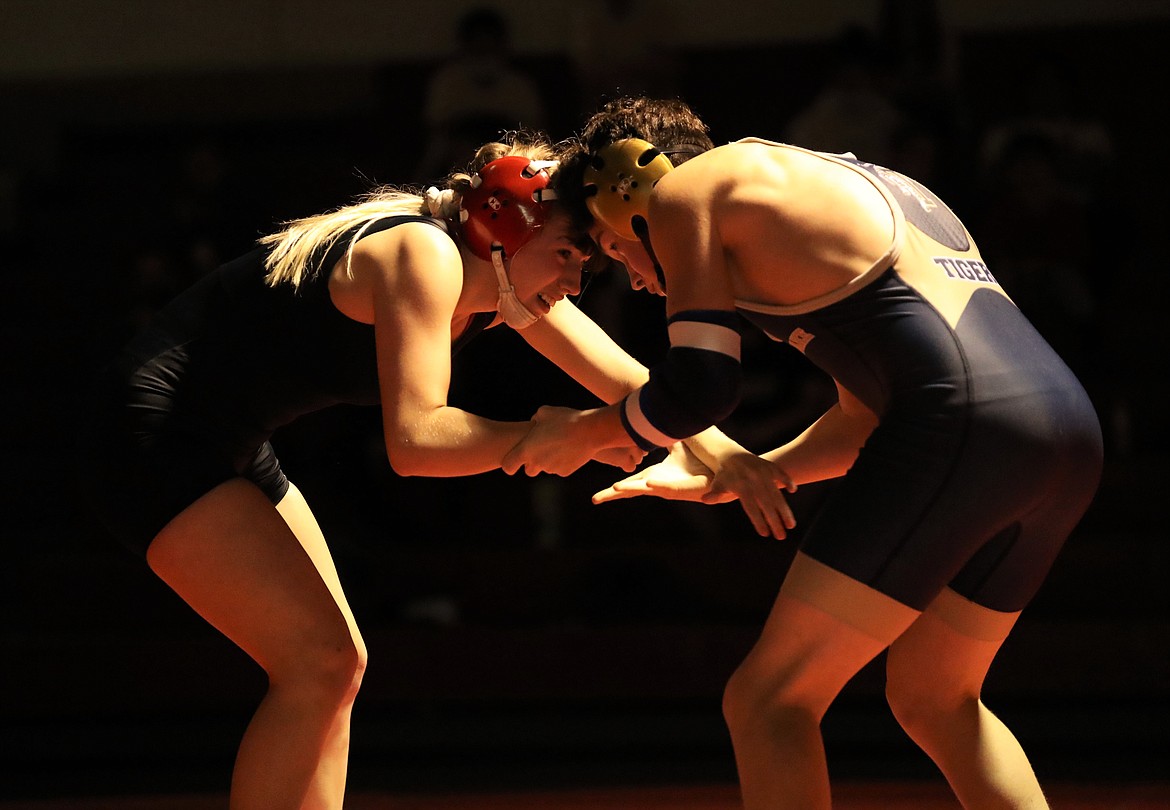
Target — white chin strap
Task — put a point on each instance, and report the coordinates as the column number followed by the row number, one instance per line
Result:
column 514, row 313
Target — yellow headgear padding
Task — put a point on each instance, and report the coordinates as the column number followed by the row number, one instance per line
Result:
column 619, row 180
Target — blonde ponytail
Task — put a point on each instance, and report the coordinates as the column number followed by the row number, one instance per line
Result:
column 293, row 249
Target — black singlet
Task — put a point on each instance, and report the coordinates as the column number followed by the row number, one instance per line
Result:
column 193, row 400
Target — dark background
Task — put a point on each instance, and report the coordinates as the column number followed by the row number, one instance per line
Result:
column 519, row 636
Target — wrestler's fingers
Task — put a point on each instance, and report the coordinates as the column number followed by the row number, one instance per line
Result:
column 625, row 458
column 787, row 514
column 674, row 481
column 718, row 496
column 636, row 481
column 622, row 489
column 513, row 460
column 784, row 480
column 777, row 523
column 608, row 494
column 756, row 516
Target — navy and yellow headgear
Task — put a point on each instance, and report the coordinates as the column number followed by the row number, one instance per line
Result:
column 619, row 180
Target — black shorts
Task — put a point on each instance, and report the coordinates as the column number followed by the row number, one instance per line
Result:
column 137, row 472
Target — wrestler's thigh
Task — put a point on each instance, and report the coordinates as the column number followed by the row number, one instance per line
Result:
column 237, row 563
column 949, row 648
column 823, row 628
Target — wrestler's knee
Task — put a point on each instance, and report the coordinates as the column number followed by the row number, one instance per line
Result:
column 328, row 671
column 921, row 709
column 754, row 697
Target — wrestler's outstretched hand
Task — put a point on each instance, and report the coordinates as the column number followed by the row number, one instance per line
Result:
column 681, row 476
column 678, row 477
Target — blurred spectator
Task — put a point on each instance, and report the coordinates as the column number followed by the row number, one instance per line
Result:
column 477, row 94
column 623, row 47
column 1034, row 232
column 202, row 208
column 196, row 216
column 1081, row 156
column 153, row 281
column 931, row 143
column 853, row 111
column 915, row 151
column 9, row 185
column 1053, row 108
column 922, row 56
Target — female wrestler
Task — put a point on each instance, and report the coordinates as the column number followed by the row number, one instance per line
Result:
column 362, row 305
column 968, row 449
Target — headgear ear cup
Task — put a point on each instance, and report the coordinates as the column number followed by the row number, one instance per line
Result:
column 619, row 180
column 507, row 204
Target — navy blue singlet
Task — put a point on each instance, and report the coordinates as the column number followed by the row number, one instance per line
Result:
column 987, row 450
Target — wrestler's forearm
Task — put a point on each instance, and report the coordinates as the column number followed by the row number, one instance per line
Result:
column 826, row 449
column 713, row 446
column 451, row 442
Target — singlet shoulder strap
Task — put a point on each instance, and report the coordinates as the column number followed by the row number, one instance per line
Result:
column 386, row 223
column 478, row 323
column 339, row 247
column 881, row 265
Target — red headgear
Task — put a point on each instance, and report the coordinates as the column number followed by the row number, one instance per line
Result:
column 506, row 204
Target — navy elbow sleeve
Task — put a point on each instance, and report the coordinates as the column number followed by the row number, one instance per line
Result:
column 697, row 385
